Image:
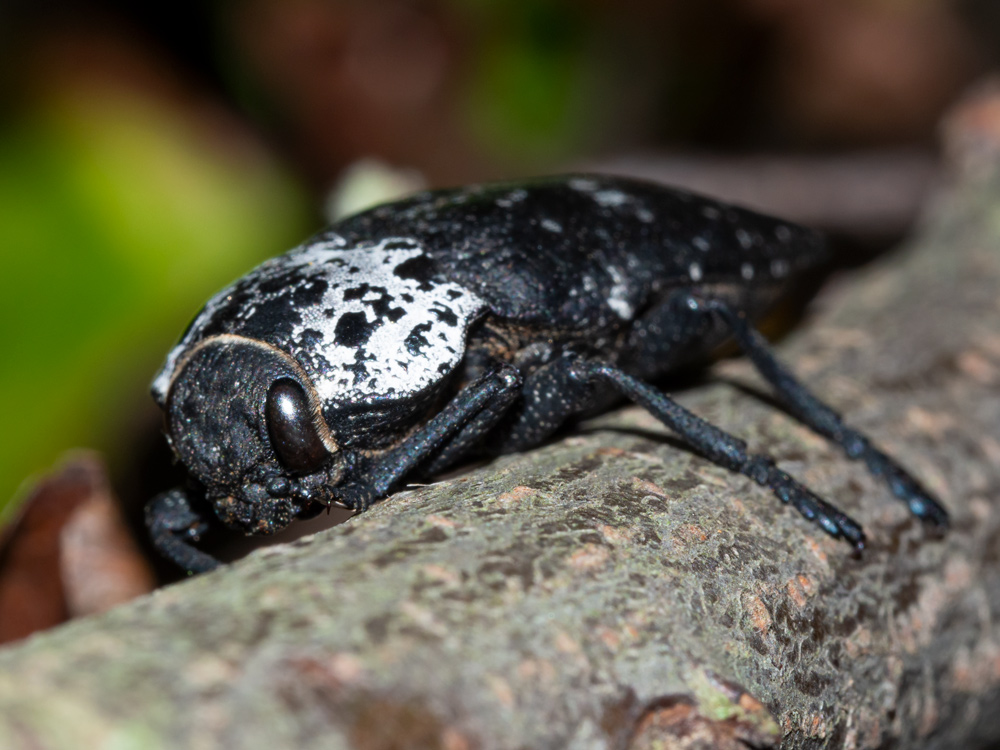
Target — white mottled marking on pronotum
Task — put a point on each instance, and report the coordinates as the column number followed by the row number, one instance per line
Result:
column 710, row 212
column 358, row 279
column 746, row 271
column 694, row 271
column 744, row 238
column 701, row 243
column 551, row 225
column 779, row 267
column 783, row 233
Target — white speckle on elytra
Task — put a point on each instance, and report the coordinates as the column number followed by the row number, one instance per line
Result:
column 710, row 212
column 610, row 198
column 552, row 225
column 694, row 271
column 783, row 233
column 618, row 296
column 621, row 308
column 583, row 184
column 744, row 238
column 779, row 267
column 746, row 271
column 701, row 243
column 514, row 196
column 644, row 215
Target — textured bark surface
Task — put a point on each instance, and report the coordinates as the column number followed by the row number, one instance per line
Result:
column 612, row 590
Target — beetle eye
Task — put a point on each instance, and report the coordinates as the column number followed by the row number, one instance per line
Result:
column 290, row 425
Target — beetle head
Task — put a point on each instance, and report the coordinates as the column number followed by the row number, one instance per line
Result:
column 243, row 418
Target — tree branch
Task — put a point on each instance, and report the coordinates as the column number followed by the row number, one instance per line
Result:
column 611, row 589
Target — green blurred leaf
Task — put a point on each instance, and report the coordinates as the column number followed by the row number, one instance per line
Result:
column 118, row 217
column 528, row 91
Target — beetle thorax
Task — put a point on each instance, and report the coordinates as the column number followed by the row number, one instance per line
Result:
column 366, row 323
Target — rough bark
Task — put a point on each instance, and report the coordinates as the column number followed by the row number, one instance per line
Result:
column 612, row 590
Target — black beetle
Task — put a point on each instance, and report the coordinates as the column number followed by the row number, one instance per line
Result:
column 395, row 341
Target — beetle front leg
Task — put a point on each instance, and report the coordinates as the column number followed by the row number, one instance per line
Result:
column 488, row 397
column 824, row 420
column 173, row 525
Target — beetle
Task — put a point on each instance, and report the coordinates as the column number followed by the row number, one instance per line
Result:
column 403, row 338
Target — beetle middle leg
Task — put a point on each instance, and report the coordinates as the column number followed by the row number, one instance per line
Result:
column 567, row 385
column 476, row 407
column 821, row 418
column 729, row 451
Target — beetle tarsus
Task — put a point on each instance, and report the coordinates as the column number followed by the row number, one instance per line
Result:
column 173, row 525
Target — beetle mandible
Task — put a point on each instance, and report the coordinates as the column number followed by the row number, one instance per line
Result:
column 395, row 341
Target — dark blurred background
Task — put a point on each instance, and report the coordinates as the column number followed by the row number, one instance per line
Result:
column 152, row 152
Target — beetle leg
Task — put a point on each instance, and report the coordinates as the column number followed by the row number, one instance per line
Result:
column 488, row 396
column 824, row 420
column 173, row 525
column 727, row 450
column 565, row 387
column 461, row 444
column 551, row 394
